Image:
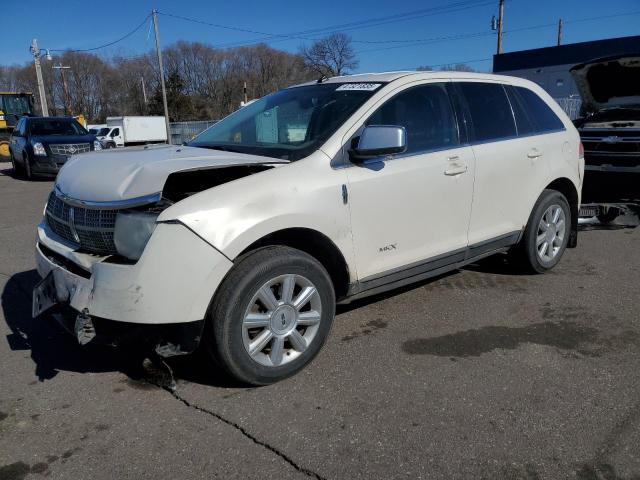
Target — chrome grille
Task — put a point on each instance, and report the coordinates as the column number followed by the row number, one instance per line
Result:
column 69, row 148
column 89, row 228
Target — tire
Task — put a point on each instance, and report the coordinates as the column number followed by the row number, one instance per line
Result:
column 527, row 253
column 5, row 142
column 17, row 172
column 608, row 216
column 284, row 339
column 27, row 166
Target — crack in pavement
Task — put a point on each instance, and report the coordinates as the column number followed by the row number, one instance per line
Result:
column 243, row 431
column 168, row 384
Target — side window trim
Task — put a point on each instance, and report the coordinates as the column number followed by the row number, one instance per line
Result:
column 513, row 114
column 461, row 104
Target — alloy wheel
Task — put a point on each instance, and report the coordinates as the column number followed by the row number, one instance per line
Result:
column 551, row 232
column 282, row 320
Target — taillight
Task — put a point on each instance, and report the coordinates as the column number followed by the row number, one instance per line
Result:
column 581, row 151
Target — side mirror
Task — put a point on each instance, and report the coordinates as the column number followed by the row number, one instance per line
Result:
column 379, row 140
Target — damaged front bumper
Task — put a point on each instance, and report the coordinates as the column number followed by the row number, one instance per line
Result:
column 163, row 298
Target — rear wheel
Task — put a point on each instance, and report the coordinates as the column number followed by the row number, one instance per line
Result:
column 546, row 235
column 271, row 315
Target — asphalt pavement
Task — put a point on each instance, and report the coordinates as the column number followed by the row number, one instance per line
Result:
column 484, row 373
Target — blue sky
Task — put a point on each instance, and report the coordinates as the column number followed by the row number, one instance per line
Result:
column 75, row 24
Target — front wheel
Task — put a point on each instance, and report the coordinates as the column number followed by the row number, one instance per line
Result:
column 546, row 234
column 14, row 165
column 271, row 315
column 27, row 166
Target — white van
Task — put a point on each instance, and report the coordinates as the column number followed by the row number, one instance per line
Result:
column 244, row 240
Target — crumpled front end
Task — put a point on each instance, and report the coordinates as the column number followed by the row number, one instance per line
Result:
column 172, row 282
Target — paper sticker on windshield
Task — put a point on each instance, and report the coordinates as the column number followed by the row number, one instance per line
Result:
column 367, row 87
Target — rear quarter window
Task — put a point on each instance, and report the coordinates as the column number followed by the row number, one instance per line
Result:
column 544, row 119
column 490, row 111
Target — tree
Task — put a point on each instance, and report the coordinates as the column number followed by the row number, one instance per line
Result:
column 330, row 56
column 179, row 103
column 203, row 82
column 458, row 67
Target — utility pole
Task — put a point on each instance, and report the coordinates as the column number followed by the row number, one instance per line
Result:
column 560, row 32
column 36, row 61
column 500, row 25
column 144, row 91
column 67, row 98
column 164, row 89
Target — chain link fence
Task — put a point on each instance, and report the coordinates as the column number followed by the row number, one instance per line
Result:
column 184, row 131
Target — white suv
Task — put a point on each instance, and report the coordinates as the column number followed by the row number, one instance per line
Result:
column 244, row 240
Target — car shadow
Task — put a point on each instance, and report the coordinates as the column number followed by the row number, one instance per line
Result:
column 629, row 218
column 54, row 350
column 8, row 172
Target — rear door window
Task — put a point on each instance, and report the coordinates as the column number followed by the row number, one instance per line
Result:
column 426, row 114
column 490, row 111
column 545, row 119
column 524, row 121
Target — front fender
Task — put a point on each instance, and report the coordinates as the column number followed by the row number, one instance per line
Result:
column 304, row 194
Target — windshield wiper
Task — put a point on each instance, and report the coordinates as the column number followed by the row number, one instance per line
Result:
column 222, row 148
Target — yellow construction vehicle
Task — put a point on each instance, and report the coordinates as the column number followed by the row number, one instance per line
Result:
column 13, row 105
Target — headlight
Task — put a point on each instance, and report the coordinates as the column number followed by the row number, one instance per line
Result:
column 38, row 149
column 1, row 117
column 132, row 232
column 97, row 145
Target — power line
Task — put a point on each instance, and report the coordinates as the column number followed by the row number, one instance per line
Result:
column 421, row 42
column 302, row 35
column 106, row 44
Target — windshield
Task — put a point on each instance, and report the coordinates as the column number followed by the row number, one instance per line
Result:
column 289, row 124
column 16, row 104
column 56, row 127
column 102, row 132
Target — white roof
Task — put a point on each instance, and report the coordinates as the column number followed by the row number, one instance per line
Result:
column 391, row 76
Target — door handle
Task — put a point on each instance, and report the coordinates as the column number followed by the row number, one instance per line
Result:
column 455, row 169
column 455, row 166
column 534, row 153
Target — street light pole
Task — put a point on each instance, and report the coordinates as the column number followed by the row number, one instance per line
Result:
column 164, row 89
column 36, row 61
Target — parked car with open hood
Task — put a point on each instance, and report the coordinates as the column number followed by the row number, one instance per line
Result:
column 41, row 145
column 610, row 127
column 244, row 240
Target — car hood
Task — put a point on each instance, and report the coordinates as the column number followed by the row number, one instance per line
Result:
column 132, row 173
column 609, row 82
column 48, row 139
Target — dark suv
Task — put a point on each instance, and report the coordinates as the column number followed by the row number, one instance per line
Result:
column 41, row 145
column 610, row 128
